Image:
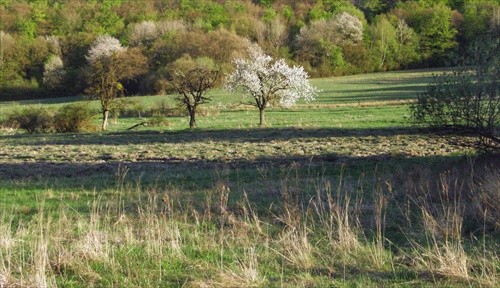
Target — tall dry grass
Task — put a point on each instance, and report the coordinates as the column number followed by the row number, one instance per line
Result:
column 443, row 205
column 147, row 236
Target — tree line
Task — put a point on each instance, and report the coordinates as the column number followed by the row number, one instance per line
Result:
column 46, row 44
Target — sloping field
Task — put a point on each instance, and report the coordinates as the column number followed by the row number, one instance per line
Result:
column 340, row 192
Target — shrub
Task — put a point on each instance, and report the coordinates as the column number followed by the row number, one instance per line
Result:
column 159, row 121
column 208, row 111
column 33, row 120
column 74, row 118
column 164, row 108
column 465, row 101
column 20, row 89
column 126, row 107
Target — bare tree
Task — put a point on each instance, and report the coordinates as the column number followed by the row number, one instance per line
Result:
column 407, row 41
column 6, row 42
column 276, row 33
column 192, row 79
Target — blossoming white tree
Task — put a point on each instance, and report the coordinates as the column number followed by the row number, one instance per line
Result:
column 348, row 27
column 54, row 72
column 269, row 83
column 110, row 63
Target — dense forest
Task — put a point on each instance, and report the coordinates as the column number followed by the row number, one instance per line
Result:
column 44, row 44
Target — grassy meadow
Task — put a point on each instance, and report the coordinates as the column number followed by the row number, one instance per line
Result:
column 340, row 192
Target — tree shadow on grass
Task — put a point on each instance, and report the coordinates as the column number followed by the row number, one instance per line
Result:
column 177, row 167
column 205, row 135
column 350, row 273
column 372, row 94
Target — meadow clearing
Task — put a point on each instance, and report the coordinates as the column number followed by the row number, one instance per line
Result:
column 339, row 192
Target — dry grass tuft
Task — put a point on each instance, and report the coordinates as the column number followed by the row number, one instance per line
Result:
column 296, row 248
column 245, row 274
column 487, row 204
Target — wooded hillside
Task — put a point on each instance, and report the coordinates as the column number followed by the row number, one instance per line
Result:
column 44, row 43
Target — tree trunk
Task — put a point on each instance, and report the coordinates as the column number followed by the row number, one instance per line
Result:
column 105, row 114
column 262, row 120
column 192, row 117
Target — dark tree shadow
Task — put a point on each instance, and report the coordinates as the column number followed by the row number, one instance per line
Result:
column 216, row 135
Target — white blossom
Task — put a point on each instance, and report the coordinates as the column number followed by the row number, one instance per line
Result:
column 104, row 46
column 53, row 72
column 165, row 27
column 269, row 82
column 142, row 32
column 349, row 28
column 54, row 43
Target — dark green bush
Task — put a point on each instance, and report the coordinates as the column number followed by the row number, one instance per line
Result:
column 74, row 118
column 33, row 120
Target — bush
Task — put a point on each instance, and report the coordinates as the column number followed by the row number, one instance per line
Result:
column 159, row 121
column 33, row 120
column 163, row 108
column 466, row 101
column 126, row 107
column 74, row 118
column 207, row 111
column 20, row 90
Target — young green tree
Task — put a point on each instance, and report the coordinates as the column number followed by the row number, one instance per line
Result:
column 384, row 43
column 109, row 64
column 433, row 24
column 477, row 17
column 407, row 47
column 269, row 82
column 467, row 100
column 192, row 79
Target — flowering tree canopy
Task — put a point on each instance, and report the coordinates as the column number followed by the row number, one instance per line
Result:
column 104, row 47
column 269, row 83
column 348, row 27
column 54, row 72
column 109, row 64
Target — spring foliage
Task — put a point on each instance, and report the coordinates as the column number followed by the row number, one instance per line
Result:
column 327, row 38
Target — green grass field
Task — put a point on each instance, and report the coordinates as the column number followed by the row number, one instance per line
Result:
column 340, row 192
